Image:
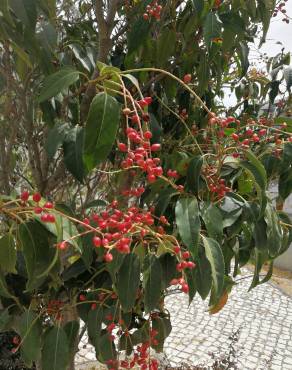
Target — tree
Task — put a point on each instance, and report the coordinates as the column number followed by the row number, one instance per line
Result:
column 121, row 174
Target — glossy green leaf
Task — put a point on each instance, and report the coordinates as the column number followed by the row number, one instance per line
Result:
column 26, row 11
column 273, row 231
column 4, row 292
column 163, row 327
column 55, row 352
column 101, row 129
column 55, row 139
column 212, row 218
column 58, row 82
column 71, row 329
column 138, row 34
column 7, row 253
column 203, row 275
column 37, row 252
column 73, row 151
column 216, row 260
column 165, row 46
column 199, row 6
column 128, row 280
column 211, row 28
column 152, row 283
column 5, row 319
column 168, row 266
column 94, row 322
column 194, row 174
column 29, row 329
column 188, row 223
column 105, row 348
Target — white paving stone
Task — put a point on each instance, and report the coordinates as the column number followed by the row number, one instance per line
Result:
column 263, row 318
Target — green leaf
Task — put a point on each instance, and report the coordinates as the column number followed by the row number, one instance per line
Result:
column 94, row 322
column 288, row 77
column 29, row 329
column 26, row 11
column 216, row 259
column 101, row 129
column 73, row 148
column 152, row 283
column 260, row 235
column 71, row 329
column 55, row 352
column 211, row 28
column 4, row 292
column 191, row 280
column 243, row 52
column 165, row 46
column 194, row 174
column 163, row 327
column 199, row 6
column 168, row 265
column 257, row 172
column 55, row 139
column 213, row 221
column 5, row 319
column 188, row 223
column 138, row 34
column 203, row 276
column 7, row 253
column 285, row 183
column 105, row 348
column 274, row 234
column 58, row 82
column 128, row 281
column 38, row 254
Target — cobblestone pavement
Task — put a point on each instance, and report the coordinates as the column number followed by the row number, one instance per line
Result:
column 263, row 318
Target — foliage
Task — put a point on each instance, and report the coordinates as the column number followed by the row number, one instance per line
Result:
column 154, row 183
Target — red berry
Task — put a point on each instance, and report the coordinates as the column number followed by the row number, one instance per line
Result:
column 44, row 217
column 38, row 210
column 36, row 197
column 63, row 245
column 191, row 265
column 96, row 241
column 24, row 196
column 235, row 137
column 186, row 255
column 146, row 16
column 151, row 178
column 155, row 147
column 187, row 78
column 51, row 218
column 122, row 147
column 108, row 257
column 147, row 135
column 148, row 100
column 82, row 298
column 15, row 340
column 48, row 205
column 176, row 249
column 185, row 288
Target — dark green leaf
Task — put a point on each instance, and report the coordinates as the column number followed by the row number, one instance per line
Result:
column 199, row 6
column 55, row 352
column 55, row 139
column 105, row 348
column 37, row 252
column 194, row 174
column 128, row 281
column 4, row 292
column 216, row 260
column 168, row 265
column 101, row 128
column 29, row 329
column 152, row 283
column 94, row 322
column 138, row 34
column 163, row 326
column 213, row 221
column 73, row 148
column 188, row 222
column 203, row 274
column 7, row 253
column 58, row 82
column 71, row 329
column 211, row 28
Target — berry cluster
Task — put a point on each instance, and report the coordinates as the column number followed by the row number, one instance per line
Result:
column 153, row 10
column 46, row 216
column 281, row 9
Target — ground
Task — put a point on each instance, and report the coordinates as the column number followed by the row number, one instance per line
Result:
column 261, row 320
